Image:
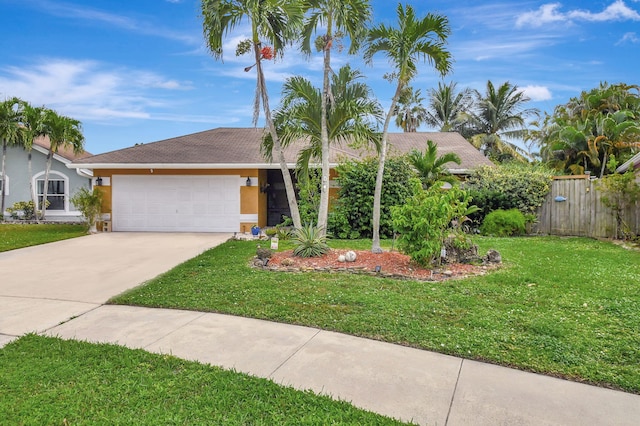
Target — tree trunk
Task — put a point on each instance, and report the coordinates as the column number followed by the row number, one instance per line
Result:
column 45, row 187
column 323, row 209
column 4, row 176
column 286, row 175
column 34, row 197
column 377, row 195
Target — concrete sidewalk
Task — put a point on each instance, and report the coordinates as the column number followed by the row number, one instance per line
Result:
column 405, row 383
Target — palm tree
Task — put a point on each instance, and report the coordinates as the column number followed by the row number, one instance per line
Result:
column 500, row 115
column 10, row 133
column 335, row 17
column 414, row 39
column 33, row 121
column 449, row 108
column 410, row 112
column 277, row 21
column 352, row 115
column 62, row 131
column 430, row 167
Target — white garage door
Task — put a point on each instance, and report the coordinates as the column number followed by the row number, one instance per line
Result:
column 176, row 203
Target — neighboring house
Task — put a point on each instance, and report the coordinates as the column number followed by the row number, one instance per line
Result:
column 217, row 180
column 63, row 182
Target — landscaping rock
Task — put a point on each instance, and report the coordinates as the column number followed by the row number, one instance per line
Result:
column 342, row 258
column 493, row 256
column 350, row 256
column 456, row 254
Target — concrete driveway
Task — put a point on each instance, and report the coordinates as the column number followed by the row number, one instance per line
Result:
column 44, row 285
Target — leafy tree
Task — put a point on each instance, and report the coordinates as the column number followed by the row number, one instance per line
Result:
column 431, row 167
column 424, row 221
column 351, row 214
column 581, row 135
column 412, row 40
column 500, row 115
column 335, row 17
column 410, row 112
column 352, row 116
column 620, row 191
column 277, row 21
column 63, row 132
column 10, row 134
column 449, row 109
column 89, row 203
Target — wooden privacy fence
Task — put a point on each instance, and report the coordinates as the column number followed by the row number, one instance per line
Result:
column 574, row 207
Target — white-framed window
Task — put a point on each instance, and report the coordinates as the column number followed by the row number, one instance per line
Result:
column 57, row 192
column 2, row 185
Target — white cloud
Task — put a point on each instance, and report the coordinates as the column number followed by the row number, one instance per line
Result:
column 537, row 93
column 82, row 13
column 629, row 37
column 88, row 89
column 550, row 13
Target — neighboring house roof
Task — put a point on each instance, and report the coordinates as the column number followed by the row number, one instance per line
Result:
column 240, row 148
column 634, row 163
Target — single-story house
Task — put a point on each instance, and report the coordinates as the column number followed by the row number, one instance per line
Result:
column 63, row 182
column 218, row 181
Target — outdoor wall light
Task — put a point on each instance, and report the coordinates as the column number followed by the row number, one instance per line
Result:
column 98, row 181
column 248, row 183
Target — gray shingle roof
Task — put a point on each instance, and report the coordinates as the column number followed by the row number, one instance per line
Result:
column 226, row 147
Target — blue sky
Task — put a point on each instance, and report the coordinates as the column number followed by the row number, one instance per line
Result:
column 138, row 71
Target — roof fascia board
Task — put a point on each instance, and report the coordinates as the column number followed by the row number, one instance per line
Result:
column 56, row 156
column 189, row 166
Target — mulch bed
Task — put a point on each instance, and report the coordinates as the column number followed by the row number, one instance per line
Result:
column 392, row 265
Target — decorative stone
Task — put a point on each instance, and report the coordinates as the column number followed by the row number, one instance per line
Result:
column 342, row 258
column 350, row 256
column 493, row 256
column 287, row 262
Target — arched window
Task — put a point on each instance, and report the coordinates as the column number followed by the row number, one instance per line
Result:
column 57, row 192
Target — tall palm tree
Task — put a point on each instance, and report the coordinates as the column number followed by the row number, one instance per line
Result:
column 414, row 39
column 33, row 121
column 448, row 108
column 500, row 115
column 431, row 168
column 276, row 21
column 63, row 132
column 353, row 115
column 10, row 133
column 334, row 17
column 410, row 111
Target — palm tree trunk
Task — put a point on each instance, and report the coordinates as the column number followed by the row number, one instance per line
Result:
column 4, row 176
column 46, row 187
column 286, row 175
column 323, row 209
column 377, row 195
column 34, row 197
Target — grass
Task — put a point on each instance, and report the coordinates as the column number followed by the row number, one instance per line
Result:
column 15, row 236
column 564, row 307
column 48, row 381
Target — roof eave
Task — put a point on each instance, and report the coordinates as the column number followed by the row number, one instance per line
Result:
column 186, row 166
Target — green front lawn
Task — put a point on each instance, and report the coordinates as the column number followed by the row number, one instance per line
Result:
column 566, row 307
column 48, row 381
column 14, row 236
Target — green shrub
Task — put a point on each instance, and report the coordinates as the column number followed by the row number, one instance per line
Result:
column 503, row 223
column 89, row 203
column 27, row 209
column 508, row 186
column 424, row 220
column 352, row 214
column 309, row 241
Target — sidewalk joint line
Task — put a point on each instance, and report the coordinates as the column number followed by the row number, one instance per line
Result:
column 453, row 395
column 176, row 329
column 294, row 353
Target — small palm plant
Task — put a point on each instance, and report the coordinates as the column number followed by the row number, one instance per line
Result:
column 310, row 241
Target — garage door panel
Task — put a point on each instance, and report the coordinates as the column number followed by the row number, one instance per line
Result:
column 176, row 203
